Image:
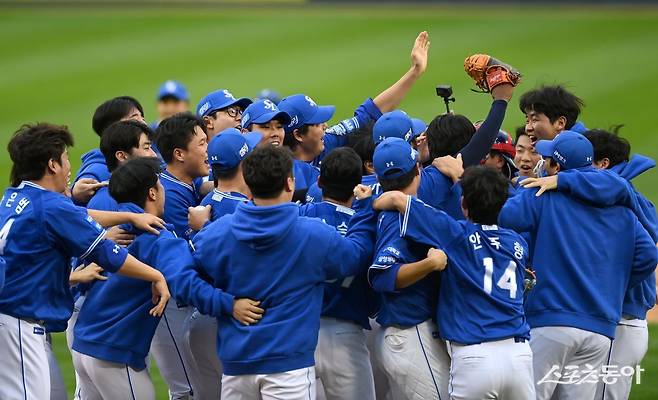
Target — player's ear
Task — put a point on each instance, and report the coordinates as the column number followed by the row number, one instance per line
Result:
column 560, row 123
column 290, row 184
column 297, row 134
column 153, row 194
column 605, row 163
column 369, row 167
column 209, row 123
column 121, row 155
column 179, row 155
column 52, row 166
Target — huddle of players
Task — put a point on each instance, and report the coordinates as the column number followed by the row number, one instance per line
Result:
column 293, row 287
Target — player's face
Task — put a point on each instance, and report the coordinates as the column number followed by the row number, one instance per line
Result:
column 551, row 168
column 526, row 157
column 196, row 154
column 160, row 199
column 495, row 161
column 135, row 115
column 420, row 144
column 313, row 143
column 223, row 119
column 144, row 149
column 272, row 133
column 62, row 172
column 169, row 107
column 539, row 127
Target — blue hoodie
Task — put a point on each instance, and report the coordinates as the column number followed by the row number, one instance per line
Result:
column 600, row 250
column 93, row 166
column 114, row 324
column 272, row 254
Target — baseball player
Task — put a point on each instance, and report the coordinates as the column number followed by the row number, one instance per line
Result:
column 342, row 359
column 549, row 110
column 274, row 358
column 114, row 330
column 526, row 157
column 182, row 143
column 573, row 322
column 485, row 272
column 225, row 154
column 265, row 117
column 221, row 110
column 404, row 274
column 173, row 98
column 41, row 230
column 93, row 171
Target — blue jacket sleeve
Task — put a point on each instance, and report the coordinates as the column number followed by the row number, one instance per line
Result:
column 521, row 212
column 645, row 257
column 426, row 225
column 383, row 273
column 345, row 256
column 2, row 273
column 481, row 142
column 175, row 261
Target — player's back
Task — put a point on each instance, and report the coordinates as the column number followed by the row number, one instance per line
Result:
column 179, row 196
column 222, row 203
column 271, row 254
column 584, row 257
column 102, row 200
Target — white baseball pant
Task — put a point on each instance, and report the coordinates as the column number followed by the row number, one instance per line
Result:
column 70, row 336
column 201, row 337
column 382, row 388
column 25, row 373
column 57, row 386
column 101, row 380
column 342, row 361
column 297, row 384
column 557, row 347
column 500, row 369
column 628, row 349
column 415, row 360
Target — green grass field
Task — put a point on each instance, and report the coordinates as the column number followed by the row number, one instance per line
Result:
column 58, row 65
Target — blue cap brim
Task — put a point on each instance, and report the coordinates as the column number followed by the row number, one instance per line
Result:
column 323, row 114
column 282, row 116
column 544, row 148
column 417, row 127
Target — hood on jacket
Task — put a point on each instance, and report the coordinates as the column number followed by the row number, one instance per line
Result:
column 263, row 227
column 92, row 157
column 636, row 166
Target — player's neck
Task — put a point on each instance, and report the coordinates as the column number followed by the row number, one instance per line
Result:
column 410, row 190
column 236, row 184
column 302, row 155
column 178, row 171
column 282, row 198
column 49, row 184
column 347, row 203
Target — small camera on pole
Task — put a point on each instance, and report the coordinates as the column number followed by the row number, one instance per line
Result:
column 445, row 91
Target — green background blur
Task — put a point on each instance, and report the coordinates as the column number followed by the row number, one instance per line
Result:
column 58, row 65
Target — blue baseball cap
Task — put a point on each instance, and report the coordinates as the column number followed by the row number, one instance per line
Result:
column 418, row 126
column 268, row 94
column 263, row 111
column 393, row 158
column 173, row 89
column 569, row 149
column 304, row 111
column 230, row 147
column 393, row 124
column 219, row 99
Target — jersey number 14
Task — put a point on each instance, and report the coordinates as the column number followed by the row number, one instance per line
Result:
column 506, row 282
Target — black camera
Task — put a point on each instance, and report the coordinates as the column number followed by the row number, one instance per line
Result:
column 445, row 91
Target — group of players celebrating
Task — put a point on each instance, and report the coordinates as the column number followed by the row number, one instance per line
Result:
column 253, row 252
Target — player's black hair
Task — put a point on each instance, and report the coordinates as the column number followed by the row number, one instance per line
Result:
column 33, row 146
column 484, row 192
column 226, row 174
column 131, row 181
column 398, row 183
column 176, row 132
column 609, row 145
column 340, row 172
column 122, row 136
column 291, row 141
column 361, row 141
column 520, row 131
column 447, row 134
column 554, row 102
column 112, row 111
column 266, row 170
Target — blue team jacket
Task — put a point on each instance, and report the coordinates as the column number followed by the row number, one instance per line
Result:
column 273, row 255
column 585, row 258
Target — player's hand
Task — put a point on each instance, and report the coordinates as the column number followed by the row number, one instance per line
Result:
column 85, row 188
column 503, row 92
column 452, row 167
column 119, row 236
column 198, row 216
column 393, row 200
column 161, row 296
column 86, row 274
column 419, row 53
column 544, row 184
column 438, row 257
column 362, row 192
column 246, row 311
column 147, row 222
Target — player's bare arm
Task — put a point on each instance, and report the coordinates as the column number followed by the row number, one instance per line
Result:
column 198, row 216
column 246, row 311
column 544, row 184
column 390, row 98
column 452, row 167
column 86, row 274
column 408, row 274
column 120, row 236
column 392, row 200
column 146, row 222
column 85, row 188
column 362, row 192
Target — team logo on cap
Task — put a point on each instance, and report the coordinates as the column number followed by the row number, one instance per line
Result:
column 310, row 101
column 214, row 158
column 562, row 159
column 170, row 86
column 389, row 164
column 204, row 108
column 243, row 151
column 268, row 105
column 407, row 136
column 293, row 121
column 228, row 94
column 245, row 119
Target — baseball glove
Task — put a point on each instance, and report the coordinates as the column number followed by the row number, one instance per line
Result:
column 489, row 72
